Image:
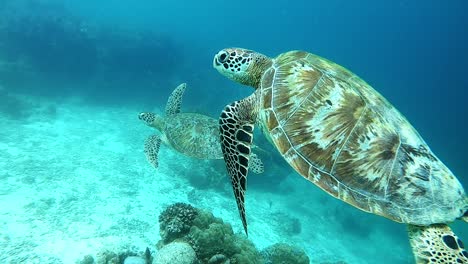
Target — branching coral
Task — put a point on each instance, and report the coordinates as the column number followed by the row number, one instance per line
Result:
column 176, row 220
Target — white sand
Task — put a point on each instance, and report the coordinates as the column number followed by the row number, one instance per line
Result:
column 77, row 182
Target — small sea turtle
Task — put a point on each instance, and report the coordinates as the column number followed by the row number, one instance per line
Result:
column 339, row 133
column 192, row 134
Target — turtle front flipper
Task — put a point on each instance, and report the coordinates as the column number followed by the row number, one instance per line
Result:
column 436, row 244
column 152, row 145
column 236, row 126
column 256, row 164
column 175, row 100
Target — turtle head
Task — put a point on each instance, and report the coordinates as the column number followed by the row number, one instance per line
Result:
column 151, row 119
column 242, row 65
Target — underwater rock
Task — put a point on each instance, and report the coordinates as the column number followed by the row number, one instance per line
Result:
column 176, row 252
column 283, row 253
column 176, row 221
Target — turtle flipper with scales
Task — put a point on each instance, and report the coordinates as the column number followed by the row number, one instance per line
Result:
column 192, row 134
column 340, row 134
column 152, row 145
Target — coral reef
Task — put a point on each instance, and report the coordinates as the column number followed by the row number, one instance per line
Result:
column 176, row 220
column 125, row 257
column 193, row 236
column 213, row 240
column 217, row 238
column 176, row 252
column 283, row 253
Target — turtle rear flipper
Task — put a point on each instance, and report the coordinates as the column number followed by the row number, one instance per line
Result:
column 236, row 125
column 436, row 244
column 256, row 164
column 175, row 100
column 465, row 217
column 152, row 145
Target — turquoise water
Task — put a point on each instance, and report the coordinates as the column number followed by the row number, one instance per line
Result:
column 74, row 75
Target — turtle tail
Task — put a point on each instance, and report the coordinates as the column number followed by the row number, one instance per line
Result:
column 436, row 244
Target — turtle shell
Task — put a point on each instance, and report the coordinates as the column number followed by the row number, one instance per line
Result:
column 342, row 135
column 194, row 135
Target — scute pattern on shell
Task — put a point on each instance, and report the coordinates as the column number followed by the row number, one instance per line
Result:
column 195, row 135
column 341, row 134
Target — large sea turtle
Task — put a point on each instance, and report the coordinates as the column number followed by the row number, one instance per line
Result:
column 336, row 131
column 192, row 134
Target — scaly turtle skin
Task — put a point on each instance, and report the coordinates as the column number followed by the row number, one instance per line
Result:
column 339, row 133
column 192, row 134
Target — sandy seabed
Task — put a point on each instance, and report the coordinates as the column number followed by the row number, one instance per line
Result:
column 74, row 181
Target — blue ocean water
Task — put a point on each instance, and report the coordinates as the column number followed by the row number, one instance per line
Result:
column 75, row 74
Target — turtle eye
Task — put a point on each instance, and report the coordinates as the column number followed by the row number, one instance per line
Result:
column 223, row 57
